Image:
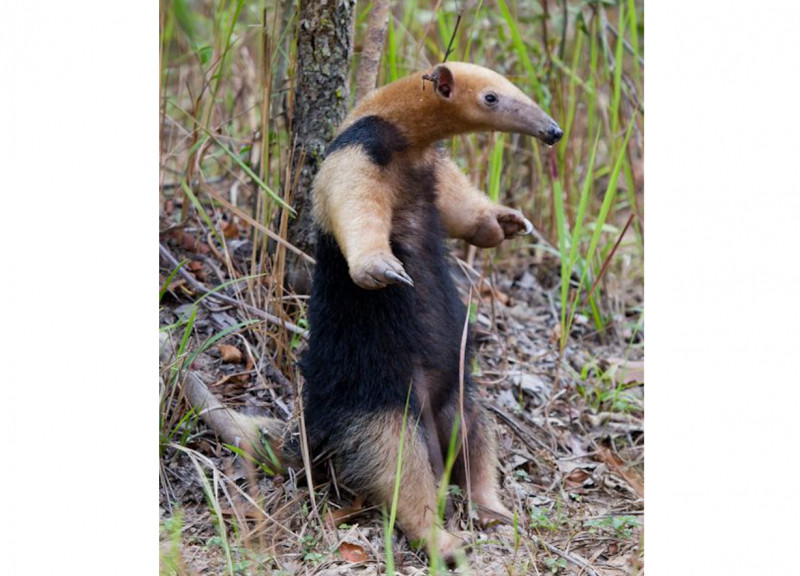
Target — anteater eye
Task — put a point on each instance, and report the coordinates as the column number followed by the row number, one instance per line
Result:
column 490, row 98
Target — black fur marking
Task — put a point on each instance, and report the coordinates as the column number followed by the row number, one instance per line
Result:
column 378, row 137
column 366, row 346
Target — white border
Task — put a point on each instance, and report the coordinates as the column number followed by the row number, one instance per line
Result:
column 78, row 149
column 79, row 176
column 722, row 207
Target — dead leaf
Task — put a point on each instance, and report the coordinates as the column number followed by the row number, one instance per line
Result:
column 575, row 444
column 197, row 269
column 627, row 371
column 336, row 517
column 577, row 478
column 629, row 474
column 230, row 353
column 230, row 229
column 353, row 552
column 487, row 293
column 250, row 363
column 534, row 385
column 507, row 399
column 189, row 242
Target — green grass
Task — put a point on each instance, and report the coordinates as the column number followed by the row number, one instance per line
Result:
column 620, row 526
column 170, row 558
column 496, row 167
column 388, row 524
column 523, row 52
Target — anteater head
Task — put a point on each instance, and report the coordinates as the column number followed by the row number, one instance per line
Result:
column 475, row 99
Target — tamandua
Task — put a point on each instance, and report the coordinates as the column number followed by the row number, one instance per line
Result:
column 386, row 320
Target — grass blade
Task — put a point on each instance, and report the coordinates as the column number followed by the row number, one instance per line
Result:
column 169, row 280
column 522, row 52
column 496, row 167
column 618, row 54
column 608, row 198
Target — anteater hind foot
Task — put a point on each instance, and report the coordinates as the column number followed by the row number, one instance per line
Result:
column 367, row 462
column 481, row 460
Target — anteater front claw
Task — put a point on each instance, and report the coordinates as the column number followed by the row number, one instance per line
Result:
column 401, row 277
column 528, row 228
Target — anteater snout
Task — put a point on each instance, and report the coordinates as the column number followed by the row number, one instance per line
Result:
column 552, row 135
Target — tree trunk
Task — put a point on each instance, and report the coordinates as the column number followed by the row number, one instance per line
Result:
column 322, row 95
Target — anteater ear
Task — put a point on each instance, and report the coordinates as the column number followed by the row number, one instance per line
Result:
column 443, row 82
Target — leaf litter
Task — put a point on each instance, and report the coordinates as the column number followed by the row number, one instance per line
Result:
column 571, row 444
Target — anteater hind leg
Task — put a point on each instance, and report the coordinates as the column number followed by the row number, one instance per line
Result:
column 368, row 463
column 481, row 462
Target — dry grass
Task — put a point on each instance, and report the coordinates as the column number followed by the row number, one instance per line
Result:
column 560, row 369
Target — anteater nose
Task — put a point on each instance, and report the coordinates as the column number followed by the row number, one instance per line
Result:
column 554, row 134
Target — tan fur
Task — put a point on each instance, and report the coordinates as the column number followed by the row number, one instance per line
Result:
column 483, row 476
column 468, row 214
column 481, row 451
column 424, row 118
column 357, row 200
column 416, row 506
column 354, row 200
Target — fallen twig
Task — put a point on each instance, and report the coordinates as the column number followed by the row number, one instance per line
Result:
column 526, row 438
column 579, row 562
column 239, row 430
column 607, row 261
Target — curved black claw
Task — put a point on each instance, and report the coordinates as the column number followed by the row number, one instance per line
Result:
column 401, row 277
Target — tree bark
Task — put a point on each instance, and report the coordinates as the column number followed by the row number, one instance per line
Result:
column 322, row 95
